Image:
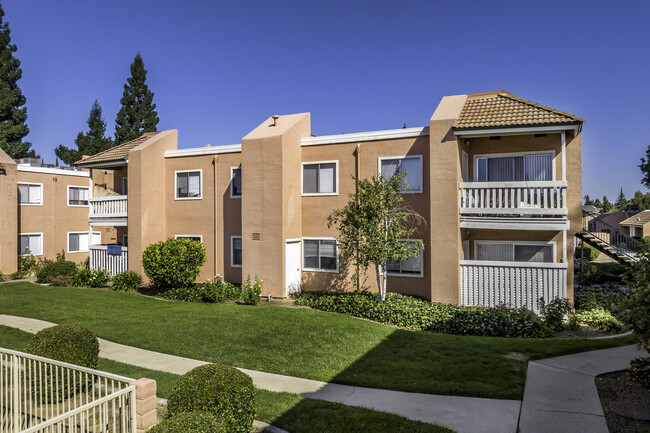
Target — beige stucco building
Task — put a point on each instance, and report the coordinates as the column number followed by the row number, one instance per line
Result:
column 497, row 178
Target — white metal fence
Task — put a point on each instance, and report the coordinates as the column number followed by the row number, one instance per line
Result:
column 40, row 395
column 513, row 198
column 100, row 259
column 516, row 284
column 108, row 207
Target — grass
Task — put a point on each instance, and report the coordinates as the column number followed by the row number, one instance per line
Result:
column 298, row 342
column 288, row 411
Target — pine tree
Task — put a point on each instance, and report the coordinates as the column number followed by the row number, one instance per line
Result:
column 588, row 201
column 138, row 113
column 13, row 112
column 88, row 143
column 607, row 206
column 621, row 201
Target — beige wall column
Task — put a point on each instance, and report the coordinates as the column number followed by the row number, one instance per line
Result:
column 573, row 151
column 147, row 195
column 271, row 197
column 8, row 215
column 145, row 404
column 445, row 241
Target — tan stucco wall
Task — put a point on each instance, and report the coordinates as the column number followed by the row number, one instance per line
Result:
column 8, row 215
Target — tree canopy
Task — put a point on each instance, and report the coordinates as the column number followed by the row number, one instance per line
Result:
column 138, row 113
column 645, row 168
column 88, row 143
column 13, row 113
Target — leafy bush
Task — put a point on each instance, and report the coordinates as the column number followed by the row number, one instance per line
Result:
column 251, row 291
column 192, row 293
column 2, row 277
column 68, row 343
column 640, row 371
column 418, row 314
column 600, row 273
column 219, row 291
column 174, row 263
column 554, row 312
column 646, row 241
column 599, row 319
column 634, row 308
column 127, row 281
column 91, row 278
column 590, row 252
column 190, row 422
column 594, row 297
column 63, row 269
column 219, row 389
column 28, row 266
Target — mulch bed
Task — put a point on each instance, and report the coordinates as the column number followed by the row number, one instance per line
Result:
column 619, row 394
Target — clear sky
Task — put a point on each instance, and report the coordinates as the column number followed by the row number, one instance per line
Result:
column 220, row 68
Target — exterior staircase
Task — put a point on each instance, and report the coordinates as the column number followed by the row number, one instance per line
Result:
column 610, row 240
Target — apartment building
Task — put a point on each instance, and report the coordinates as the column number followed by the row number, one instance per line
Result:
column 43, row 211
column 497, row 178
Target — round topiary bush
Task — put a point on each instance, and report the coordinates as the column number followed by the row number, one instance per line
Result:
column 68, row 343
column 191, row 422
column 174, row 263
column 219, row 389
column 58, row 273
column 127, row 281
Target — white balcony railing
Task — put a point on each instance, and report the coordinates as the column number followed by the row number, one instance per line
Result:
column 114, row 264
column 517, row 284
column 108, row 207
column 40, row 395
column 513, row 198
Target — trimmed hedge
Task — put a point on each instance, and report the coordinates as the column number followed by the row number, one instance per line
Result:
column 91, row 278
column 591, row 253
column 127, row 281
column 418, row 314
column 58, row 273
column 216, row 292
column 190, row 422
column 68, row 343
column 174, row 263
column 223, row 391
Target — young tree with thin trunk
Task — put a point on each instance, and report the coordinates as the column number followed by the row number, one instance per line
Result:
column 373, row 226
column 88, row 143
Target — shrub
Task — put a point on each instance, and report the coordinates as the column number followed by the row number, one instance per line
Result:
column 187, row 294
column 190, row 422
column 594, row 297
column 590, row 252
column 599, row 319
column 127, row 281
column 219, row 389
column 51, row 270
column 418, row 314
column 91, row 278
column 219, row 291
column 251, row 291
column 634, row 308
column 640, row 371
column 554, row 312
column 2, row 277
column 174, row 263
column 646, row 241
column 28, row 266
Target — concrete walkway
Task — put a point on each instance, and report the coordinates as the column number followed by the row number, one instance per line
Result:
column 561, row 395
column 462, row 414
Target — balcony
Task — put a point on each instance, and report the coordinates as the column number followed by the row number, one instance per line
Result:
column 108, row 211
column 518, row 284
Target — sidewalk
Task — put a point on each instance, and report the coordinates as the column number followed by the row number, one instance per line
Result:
column 462, row 414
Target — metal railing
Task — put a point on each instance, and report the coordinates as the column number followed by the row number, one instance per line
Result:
column 513, row 198
column 100, row 259
column 618, row 242
column 108, row 207
column 518, row 284
column 43, row 395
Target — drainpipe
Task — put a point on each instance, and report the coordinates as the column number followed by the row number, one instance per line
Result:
column 215, row 226
column 358, row 174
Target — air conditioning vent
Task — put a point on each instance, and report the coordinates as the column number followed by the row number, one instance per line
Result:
column 256, row 236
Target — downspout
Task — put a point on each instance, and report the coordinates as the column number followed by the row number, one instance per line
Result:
column 358, row 173
column 214, row 218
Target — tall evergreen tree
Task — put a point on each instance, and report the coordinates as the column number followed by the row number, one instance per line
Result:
column 621, row 201
column 88, row 143
column 588, row 201
column 138, row 113
column 13, row 112
column 607, row 206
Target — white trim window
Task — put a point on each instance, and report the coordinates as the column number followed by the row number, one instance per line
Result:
column 320, row 255
column 411, row 267
column 78, row 196
column 235, row 251
column 521, row 167
column 320, row 178
column 78, row 242
column 235, row 182
column 30, row 194
column 197, row 238
column 187, row 184
column 411, row 165
column 524, row 251
column 30, row 243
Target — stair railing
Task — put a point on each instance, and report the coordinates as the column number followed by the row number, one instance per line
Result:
column 619, row 241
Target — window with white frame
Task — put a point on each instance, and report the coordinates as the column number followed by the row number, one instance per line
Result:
column 188, row 184
column 79, row 242
column 411, row 165
column 320, row 255
column 30, row 194
column 531, row 252
column 235, row 251
column 409, row 267
column 235, row 182
column 30, row 243
column 78, row 195
column 320, row 178
column 514, row 168
column 196, row 238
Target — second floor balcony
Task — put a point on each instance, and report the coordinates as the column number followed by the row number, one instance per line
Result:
column 108, row 211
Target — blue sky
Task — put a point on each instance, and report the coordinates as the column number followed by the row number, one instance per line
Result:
column 219, row 68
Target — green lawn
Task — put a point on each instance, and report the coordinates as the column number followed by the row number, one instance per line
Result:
column 297, row 341
column 288, row 411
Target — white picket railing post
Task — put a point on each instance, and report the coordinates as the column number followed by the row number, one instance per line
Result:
column 513, row 198
column 99, row 259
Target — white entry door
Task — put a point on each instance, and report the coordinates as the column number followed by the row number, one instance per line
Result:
column 292, row 266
